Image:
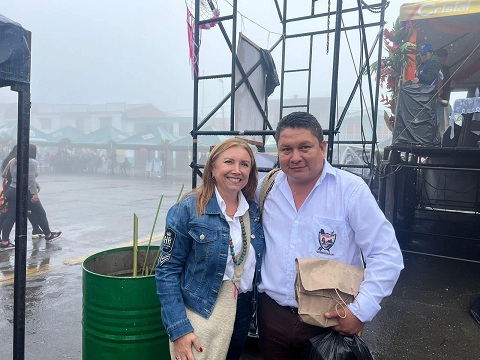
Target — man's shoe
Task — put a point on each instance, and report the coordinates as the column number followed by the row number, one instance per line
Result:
column 53, row 235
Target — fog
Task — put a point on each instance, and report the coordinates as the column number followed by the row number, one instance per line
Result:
column 136, row 51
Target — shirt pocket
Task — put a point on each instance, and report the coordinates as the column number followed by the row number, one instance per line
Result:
column 331, row 239
column 204, row 240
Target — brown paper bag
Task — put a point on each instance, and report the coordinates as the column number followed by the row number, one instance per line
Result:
column 322, row 284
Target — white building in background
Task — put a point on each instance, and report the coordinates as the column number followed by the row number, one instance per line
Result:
column 133, row 118
column 129, row 118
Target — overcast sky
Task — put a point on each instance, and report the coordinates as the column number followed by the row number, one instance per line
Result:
column 136, row 51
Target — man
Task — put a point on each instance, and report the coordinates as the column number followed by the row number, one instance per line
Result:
column 442, row 55
column 445, row 88
column 310, row 196
column 428, row 72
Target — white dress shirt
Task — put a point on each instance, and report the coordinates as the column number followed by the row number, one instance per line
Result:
column 341, row 206
column 246, row 281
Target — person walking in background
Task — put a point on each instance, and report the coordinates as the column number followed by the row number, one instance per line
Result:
column 38, row 214
column 310, row 197
column 4, row 245
column 36, row 231
column 211, row 257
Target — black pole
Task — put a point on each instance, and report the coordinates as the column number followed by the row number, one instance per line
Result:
column 196, row 51
column 233, row 65
column 334, row 92
column 377, row 91
column 20, row 272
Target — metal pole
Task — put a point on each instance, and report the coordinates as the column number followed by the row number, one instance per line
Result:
column 377, row 89
column 282, row 76
column 195, row 90
column 233, row 64
column 334, row 92
column 20, row 271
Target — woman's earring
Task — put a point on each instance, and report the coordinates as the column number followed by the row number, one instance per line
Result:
column 213, row 178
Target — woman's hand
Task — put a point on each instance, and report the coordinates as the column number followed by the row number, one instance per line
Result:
column 183, row 347
column 35, row 198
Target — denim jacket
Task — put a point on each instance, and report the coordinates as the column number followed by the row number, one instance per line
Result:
column 193, row 259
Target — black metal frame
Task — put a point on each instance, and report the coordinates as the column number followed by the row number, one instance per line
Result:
column 334, row 125
column 20, row 270
column 445, row 225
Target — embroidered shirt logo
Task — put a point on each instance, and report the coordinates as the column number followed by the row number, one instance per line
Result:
column 326, row 241
column 169, row 240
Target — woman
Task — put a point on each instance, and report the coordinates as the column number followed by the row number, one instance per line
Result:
column 38, row 214
column 210, row 258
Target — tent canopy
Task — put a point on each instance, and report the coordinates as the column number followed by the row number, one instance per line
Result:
column 105, row 137
column 204, row 142
column 67, row 134
column 8, row 132
column 453, row 25
column 151, row 138
column 14, row 53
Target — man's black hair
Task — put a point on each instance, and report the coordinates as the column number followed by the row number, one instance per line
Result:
column 441, row 52
column 302, row 120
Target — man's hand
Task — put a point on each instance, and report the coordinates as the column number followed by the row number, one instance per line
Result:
column 35, row 198
column 183, row 347
column 349, row 324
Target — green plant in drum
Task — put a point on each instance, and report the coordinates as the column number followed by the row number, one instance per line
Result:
column 145, row 269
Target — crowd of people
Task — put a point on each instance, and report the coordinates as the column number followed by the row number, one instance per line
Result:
column 229, row 249
column 64, row 160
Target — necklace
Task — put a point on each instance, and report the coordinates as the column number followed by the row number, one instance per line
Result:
column 244, row 245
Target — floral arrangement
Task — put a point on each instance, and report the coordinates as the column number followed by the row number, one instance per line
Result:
column 401, row 53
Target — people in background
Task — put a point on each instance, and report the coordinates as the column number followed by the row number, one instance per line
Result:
column 428, row 71
column 446, row 87
column 36, row 231
column 38, row 214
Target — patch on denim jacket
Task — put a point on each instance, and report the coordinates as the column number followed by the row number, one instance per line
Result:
column 163, row 259
column 169, row 240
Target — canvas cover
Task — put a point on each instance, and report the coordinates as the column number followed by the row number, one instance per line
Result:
column 14, row 53
column 440, row 8
column 247, row 114
column 415, row 120
column 453, row 25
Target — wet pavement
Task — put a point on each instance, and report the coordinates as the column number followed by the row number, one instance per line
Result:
column 427, row 316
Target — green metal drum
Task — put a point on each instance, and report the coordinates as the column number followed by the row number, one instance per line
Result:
column 121, row 313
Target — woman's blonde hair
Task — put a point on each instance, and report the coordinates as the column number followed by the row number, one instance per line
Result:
column 206, row 190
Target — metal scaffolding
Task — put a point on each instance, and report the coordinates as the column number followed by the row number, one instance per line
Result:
column 318, row 11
